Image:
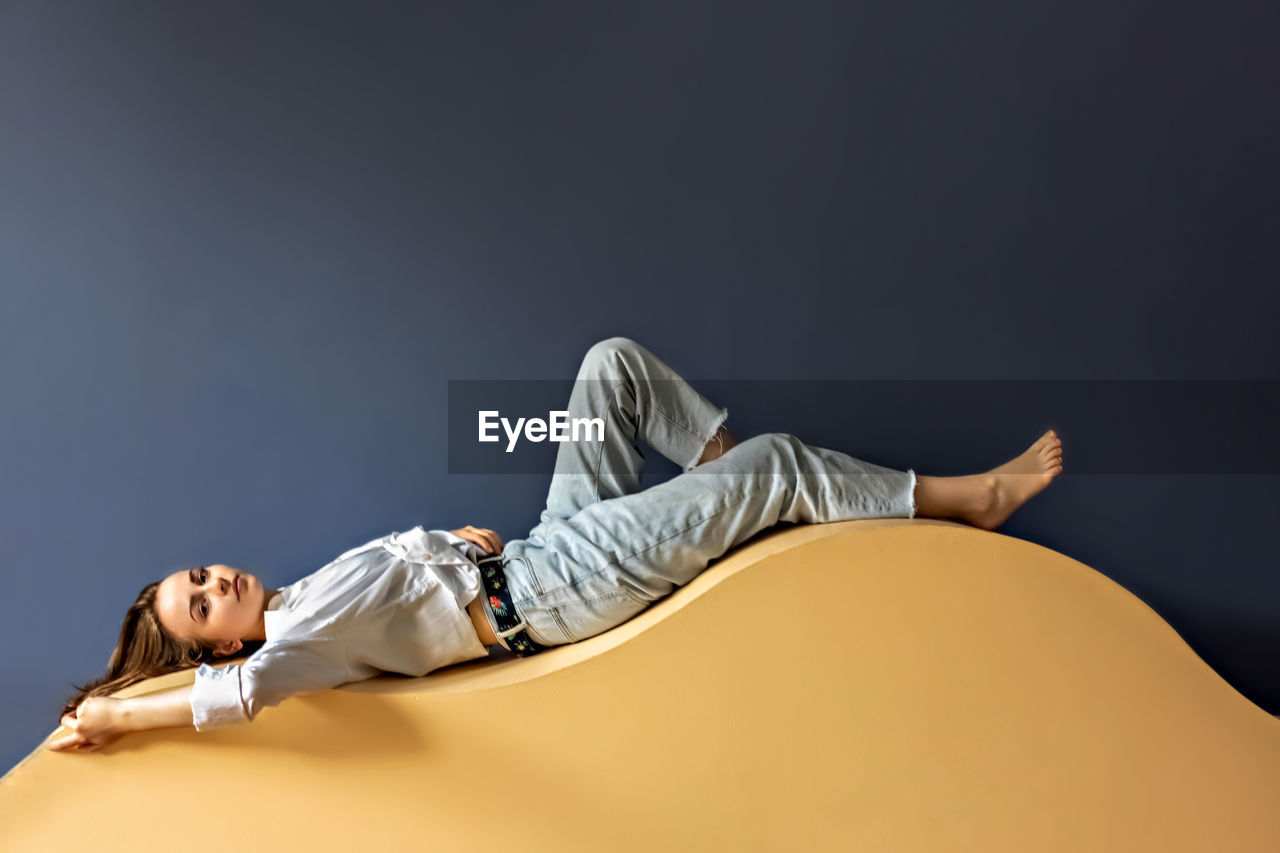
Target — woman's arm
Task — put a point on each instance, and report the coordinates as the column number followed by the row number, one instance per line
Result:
column 157, row 710
column 99, row 720
column 217, row 697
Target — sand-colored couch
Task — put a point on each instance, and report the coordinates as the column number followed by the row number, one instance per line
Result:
column 897, row 685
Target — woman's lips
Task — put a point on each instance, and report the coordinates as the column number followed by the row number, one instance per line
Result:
column 237, row 585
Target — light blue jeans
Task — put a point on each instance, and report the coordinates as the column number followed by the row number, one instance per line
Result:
column 605, row 550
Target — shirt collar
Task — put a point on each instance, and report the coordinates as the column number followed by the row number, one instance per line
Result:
column 273, row 618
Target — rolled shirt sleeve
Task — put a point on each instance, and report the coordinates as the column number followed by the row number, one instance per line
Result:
column 236, row 693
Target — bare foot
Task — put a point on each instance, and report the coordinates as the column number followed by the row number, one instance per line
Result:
column 1017, row 481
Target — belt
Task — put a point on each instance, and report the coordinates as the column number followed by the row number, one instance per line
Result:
column 511, row 631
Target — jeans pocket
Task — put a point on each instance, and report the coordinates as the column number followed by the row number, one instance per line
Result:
column 637, row 597
column 522, row 581
column 588, row 617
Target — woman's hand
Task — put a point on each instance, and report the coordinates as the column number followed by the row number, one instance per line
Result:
column 485, row 538
column 91, row 726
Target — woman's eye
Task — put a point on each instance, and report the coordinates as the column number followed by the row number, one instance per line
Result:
column 204, row 608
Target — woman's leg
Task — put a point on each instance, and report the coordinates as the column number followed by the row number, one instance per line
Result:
column 638, row 396
column 611, row 559
column 667, row 534
column 604, row 550
column 607, row 562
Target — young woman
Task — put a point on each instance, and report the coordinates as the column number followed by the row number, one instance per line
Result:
column 603, row 551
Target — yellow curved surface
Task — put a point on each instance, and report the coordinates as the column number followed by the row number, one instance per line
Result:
column 890, row 685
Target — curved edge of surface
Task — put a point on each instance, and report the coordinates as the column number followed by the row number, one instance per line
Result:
column 888, row 669
column 502, row 669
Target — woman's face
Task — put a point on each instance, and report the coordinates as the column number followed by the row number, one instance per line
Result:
column 217, row 604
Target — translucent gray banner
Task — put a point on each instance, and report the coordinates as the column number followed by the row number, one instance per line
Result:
column 1107, row 426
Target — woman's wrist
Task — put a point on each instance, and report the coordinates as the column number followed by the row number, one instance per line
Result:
column 123, row 715
column 155, row 710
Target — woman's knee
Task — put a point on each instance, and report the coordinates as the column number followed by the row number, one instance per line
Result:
column 782, row 441
column 603, row 354
column 773, row 445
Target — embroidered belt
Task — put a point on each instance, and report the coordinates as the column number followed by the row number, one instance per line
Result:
column 511, row 631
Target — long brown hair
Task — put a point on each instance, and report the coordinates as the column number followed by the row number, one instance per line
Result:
column 144, row 650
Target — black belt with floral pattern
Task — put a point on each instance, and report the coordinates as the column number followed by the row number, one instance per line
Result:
column 511, row 628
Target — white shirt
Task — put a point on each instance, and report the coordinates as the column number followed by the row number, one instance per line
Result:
column 394, row 604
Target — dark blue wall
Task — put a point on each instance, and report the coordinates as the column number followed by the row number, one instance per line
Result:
column 244, row 247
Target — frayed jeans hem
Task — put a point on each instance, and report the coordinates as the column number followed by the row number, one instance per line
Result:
column 715, row 429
